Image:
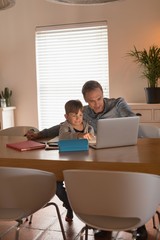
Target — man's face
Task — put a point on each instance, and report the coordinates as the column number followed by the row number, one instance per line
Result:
column 95, row 100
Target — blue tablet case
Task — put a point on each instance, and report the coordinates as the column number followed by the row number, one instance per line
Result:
column 73, row 145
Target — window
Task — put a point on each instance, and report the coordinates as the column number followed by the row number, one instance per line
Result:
column 66, row 57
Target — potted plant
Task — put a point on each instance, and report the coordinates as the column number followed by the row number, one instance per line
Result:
column 150, row 62
column 6, row 94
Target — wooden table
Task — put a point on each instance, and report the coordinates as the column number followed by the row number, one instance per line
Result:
column 143, row 157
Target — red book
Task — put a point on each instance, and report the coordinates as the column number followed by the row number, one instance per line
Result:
column 26, row 145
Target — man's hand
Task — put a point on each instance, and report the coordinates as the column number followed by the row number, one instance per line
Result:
column 31, row 134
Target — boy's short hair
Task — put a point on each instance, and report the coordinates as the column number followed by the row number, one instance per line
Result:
column 73, row 106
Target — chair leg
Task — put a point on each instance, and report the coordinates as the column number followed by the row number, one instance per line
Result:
column 158, row 234
column 154, row 223
column 86, row 233
column 82, row 232
column 158, row 228
column 30, row 219
column 59, row 217
column 134, row 235
column 18, row 228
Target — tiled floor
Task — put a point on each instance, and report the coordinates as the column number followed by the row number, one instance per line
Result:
column 45, row 226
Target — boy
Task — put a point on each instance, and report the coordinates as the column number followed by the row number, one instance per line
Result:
column 75, row 127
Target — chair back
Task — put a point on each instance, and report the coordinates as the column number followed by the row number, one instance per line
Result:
column 24, row 191
column 112, row 200
column 16, row 131
column 148, row 131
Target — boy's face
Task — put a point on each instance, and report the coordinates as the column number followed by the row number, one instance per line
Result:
column 75, row 119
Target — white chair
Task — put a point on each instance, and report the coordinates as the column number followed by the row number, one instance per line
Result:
column 148, row 131
column 16, row 131
column 112, row 200
column 25, row 191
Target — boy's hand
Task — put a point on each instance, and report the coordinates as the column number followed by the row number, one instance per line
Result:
column 88, row 136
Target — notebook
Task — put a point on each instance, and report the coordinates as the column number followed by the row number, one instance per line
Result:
column 26, row 145
column 53, row 142
column 116, row 132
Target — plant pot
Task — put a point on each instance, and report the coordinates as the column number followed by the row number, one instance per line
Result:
column 152, row 95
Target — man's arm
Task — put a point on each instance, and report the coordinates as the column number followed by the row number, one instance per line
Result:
column 123, row 108
column 45, row 133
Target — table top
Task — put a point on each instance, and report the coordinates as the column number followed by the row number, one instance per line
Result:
column 143, row 157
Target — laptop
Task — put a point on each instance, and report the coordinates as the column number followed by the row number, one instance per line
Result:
column 116, row 132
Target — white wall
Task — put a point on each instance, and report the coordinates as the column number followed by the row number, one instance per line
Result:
column 130, row 22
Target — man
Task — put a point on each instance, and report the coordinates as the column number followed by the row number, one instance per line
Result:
column 98, row 108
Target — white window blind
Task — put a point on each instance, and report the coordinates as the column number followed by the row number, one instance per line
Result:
column 66, row 57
